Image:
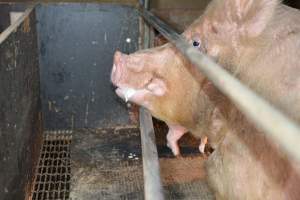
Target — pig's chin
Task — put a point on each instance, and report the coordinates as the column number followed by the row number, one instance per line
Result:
column 136, row 96
column 126, row 93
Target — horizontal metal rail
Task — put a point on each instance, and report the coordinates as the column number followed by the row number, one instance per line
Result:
column 260, row 112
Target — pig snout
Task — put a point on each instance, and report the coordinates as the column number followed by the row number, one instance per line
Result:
column 121, row 76
column 116, row 72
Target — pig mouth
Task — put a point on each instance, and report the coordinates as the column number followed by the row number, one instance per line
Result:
column 136, row 96
column 126, row 93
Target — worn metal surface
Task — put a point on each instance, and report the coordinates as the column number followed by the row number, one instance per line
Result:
column 106, row 164
column 120, row 2
column 262, row 114
column 53, row 174
column 77, row 43
column 4, row 17
column 152, row 182
column 20, row 116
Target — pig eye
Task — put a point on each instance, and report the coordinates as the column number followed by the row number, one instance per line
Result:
column 196, row 43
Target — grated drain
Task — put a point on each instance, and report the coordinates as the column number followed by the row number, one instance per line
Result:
column 53, row 174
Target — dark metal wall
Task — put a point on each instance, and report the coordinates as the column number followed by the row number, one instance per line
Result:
column 293, row 3
column 4, row 13
column 77, row 43
column 20, row 116
column 4, row 17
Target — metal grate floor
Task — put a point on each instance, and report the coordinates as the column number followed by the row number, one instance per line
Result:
column 53, row 174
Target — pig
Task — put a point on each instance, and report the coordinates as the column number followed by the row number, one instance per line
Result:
column 149, row 78
column 258, row 41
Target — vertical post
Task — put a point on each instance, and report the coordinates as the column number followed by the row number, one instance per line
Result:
column 146, row 42
column 152, row 181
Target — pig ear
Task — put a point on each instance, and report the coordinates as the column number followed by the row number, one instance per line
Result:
column 157, row 87
column 250, row 17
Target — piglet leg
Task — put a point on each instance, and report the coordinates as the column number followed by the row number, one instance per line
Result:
column 174, row 134
column 202, row 144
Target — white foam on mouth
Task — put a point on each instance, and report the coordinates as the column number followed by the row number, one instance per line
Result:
column 128, row 93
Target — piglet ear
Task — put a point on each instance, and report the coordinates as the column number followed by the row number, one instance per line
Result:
column 248, row 17
column 157, row 87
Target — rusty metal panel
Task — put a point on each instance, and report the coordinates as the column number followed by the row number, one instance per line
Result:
column 20, row 116
column 77, row 43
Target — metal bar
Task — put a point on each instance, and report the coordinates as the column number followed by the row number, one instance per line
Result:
column 152, row 182
column 259, row 111
column 146, row 42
